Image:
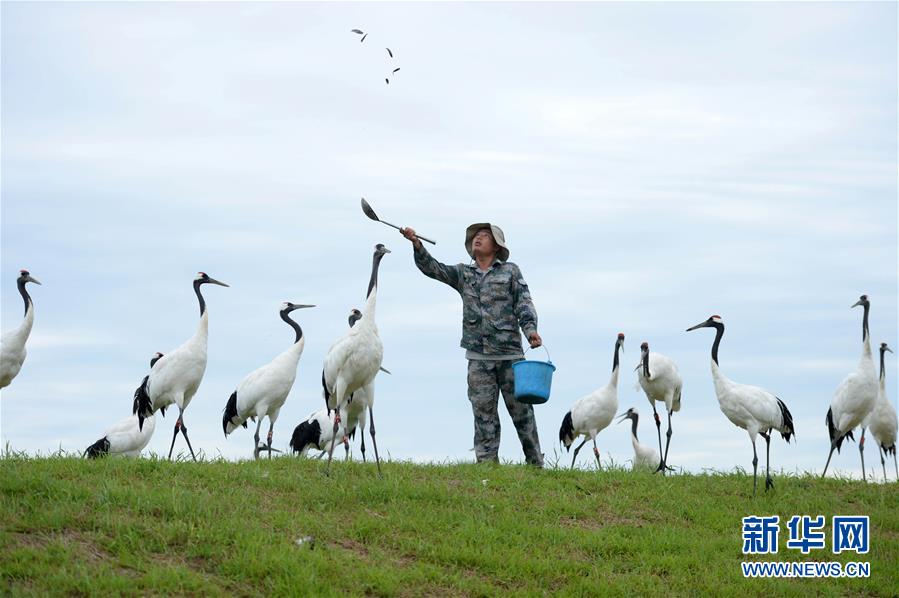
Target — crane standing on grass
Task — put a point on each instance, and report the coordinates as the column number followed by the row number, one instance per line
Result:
column 12, row 343
column 749, row 407
column 660, row 380
column 644, row 456
column 855, row 396
column 176, row 377
column 263, row 392
column 882, row 420
column 593, row 413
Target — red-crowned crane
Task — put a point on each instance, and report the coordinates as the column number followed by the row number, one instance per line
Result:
column 593, row 413
column 355, row 358
column 882, row 420
column 317, row 432
column 644, row 456
column 12, row 343
column 749, row 407
column 855, row 396
column 263, row 392
column 128, row 437
column 177, row 375
column 660, row 380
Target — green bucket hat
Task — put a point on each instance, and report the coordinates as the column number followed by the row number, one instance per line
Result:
column 502, row 253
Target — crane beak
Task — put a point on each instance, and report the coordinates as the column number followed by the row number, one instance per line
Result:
column 300, row 306
column 856, row 304
column 887, row 349
column 385, row 370
column 218, row 282
column 700, row 325
column 29, row 278
column 622, row 417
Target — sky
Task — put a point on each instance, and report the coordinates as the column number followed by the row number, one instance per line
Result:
column 651, row 164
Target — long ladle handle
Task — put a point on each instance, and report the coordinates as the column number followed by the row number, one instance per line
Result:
column 416, row 234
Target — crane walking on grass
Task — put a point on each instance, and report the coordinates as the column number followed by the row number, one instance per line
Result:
column 12, row 343
column 263, row 392
column 660, row 380
column 749, row 407
column 855, row 396
column 593, row 413
column 354, row 359
column 176, row 377
column 128, row 437
column 882, row 420
column 644, row 456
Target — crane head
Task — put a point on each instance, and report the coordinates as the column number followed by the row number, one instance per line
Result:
column 863, row 301
column 712, row 322
column 380, row 249
column 156, row 357
column 629, row 414
column 884, row 347
column 288, row 307
column 25, row 276
column 203, row 278
column 355, row 316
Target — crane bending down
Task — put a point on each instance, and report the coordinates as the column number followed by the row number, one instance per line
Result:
column 263, row 392
column 660, row 380
column 127, row 437
column 316, row 432
column 749, row 407
column 882, row 420
column 855, row 396
column 12, row 343
column 354, row 359
column 644, row 456
column 593, row 413
column 177, row 375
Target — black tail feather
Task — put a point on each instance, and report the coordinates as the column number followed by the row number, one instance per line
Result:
column 305, row 434
column 142, row 405
column 325, row 393
column 566, row 432
column 97, row 449
column 230, row 413
column 787, row 429
column 834, row 434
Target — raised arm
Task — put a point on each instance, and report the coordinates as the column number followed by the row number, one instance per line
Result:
column 449, row 275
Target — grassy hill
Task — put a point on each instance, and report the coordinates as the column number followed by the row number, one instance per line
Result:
column 71, row 526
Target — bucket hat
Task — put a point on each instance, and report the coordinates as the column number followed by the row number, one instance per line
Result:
column 499, row 238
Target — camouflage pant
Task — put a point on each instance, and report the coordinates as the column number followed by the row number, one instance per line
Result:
column 485, row 380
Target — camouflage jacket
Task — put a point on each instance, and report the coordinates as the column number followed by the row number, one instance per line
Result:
column 494, row 304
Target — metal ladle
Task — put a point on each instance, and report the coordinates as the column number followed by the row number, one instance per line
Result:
column 371, row 214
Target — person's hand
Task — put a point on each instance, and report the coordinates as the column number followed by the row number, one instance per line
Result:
column 409, row 233
column 535, row 340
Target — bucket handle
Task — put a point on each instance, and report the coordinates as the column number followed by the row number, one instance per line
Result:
column 548, row 358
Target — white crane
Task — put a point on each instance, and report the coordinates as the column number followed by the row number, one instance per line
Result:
column 263, row 392
column 128, row 437
column 749, row 407
column 660, row 380
column 882, row 420
column 355, row 358
column 176, row 376
column 12, row 343
column 317, row 432
column 855, row 396
column 644, row 456
column 593, row 413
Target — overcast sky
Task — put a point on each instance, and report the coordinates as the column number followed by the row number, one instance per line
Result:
column 651, row 164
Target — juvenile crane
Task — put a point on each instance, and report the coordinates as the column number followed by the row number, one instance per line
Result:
column 644, row 456
column 882, row 420
column 660, row 380
column 263, row 392
column 593, row 413
column 354, row 359
column 749, row 407
column 855, row 396
column 12, row 343
column 127, row 437
column 177, row 375
column 317, row 432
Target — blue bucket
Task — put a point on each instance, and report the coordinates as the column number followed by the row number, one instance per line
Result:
column 533, row 380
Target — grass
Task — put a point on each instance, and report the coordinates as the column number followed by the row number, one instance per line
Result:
column 147, row 526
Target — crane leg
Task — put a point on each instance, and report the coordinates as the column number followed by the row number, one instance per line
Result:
column 271, row 427
column 882, row 462
column 755, row 467
column 664, row 463
column 833, row 446
column 861, row 453
column 769, row 483
column 576, row 451
column 346, row 447
column 256, row 439
column 174, row 437
column 371, row 430
column 184, row 431
column 895, row 464
column 362, row 440
column 659, row 434
column 596, row 453
column 333, row 438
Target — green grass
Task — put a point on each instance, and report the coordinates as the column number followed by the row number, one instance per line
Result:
column 145, row 526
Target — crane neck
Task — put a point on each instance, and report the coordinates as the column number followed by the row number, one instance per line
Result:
column 646, row 364
column 882, row 373
column 615, row 358
column 285, row 315
column 202, row 301
column 865, row 331
column 634, row 428
column 25, row 296
column 373, row 281
column 718, row 335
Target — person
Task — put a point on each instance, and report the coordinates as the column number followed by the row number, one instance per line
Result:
column 496, row 302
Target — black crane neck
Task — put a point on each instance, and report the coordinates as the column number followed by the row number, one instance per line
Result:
column 865, row 331
column 24, row 293
column 646, row 364
column 634, row 428
column 202, row 301
column 285, row 315
column 882, row 355
column 719, row 327
column 615, row 359
column 375, row 265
